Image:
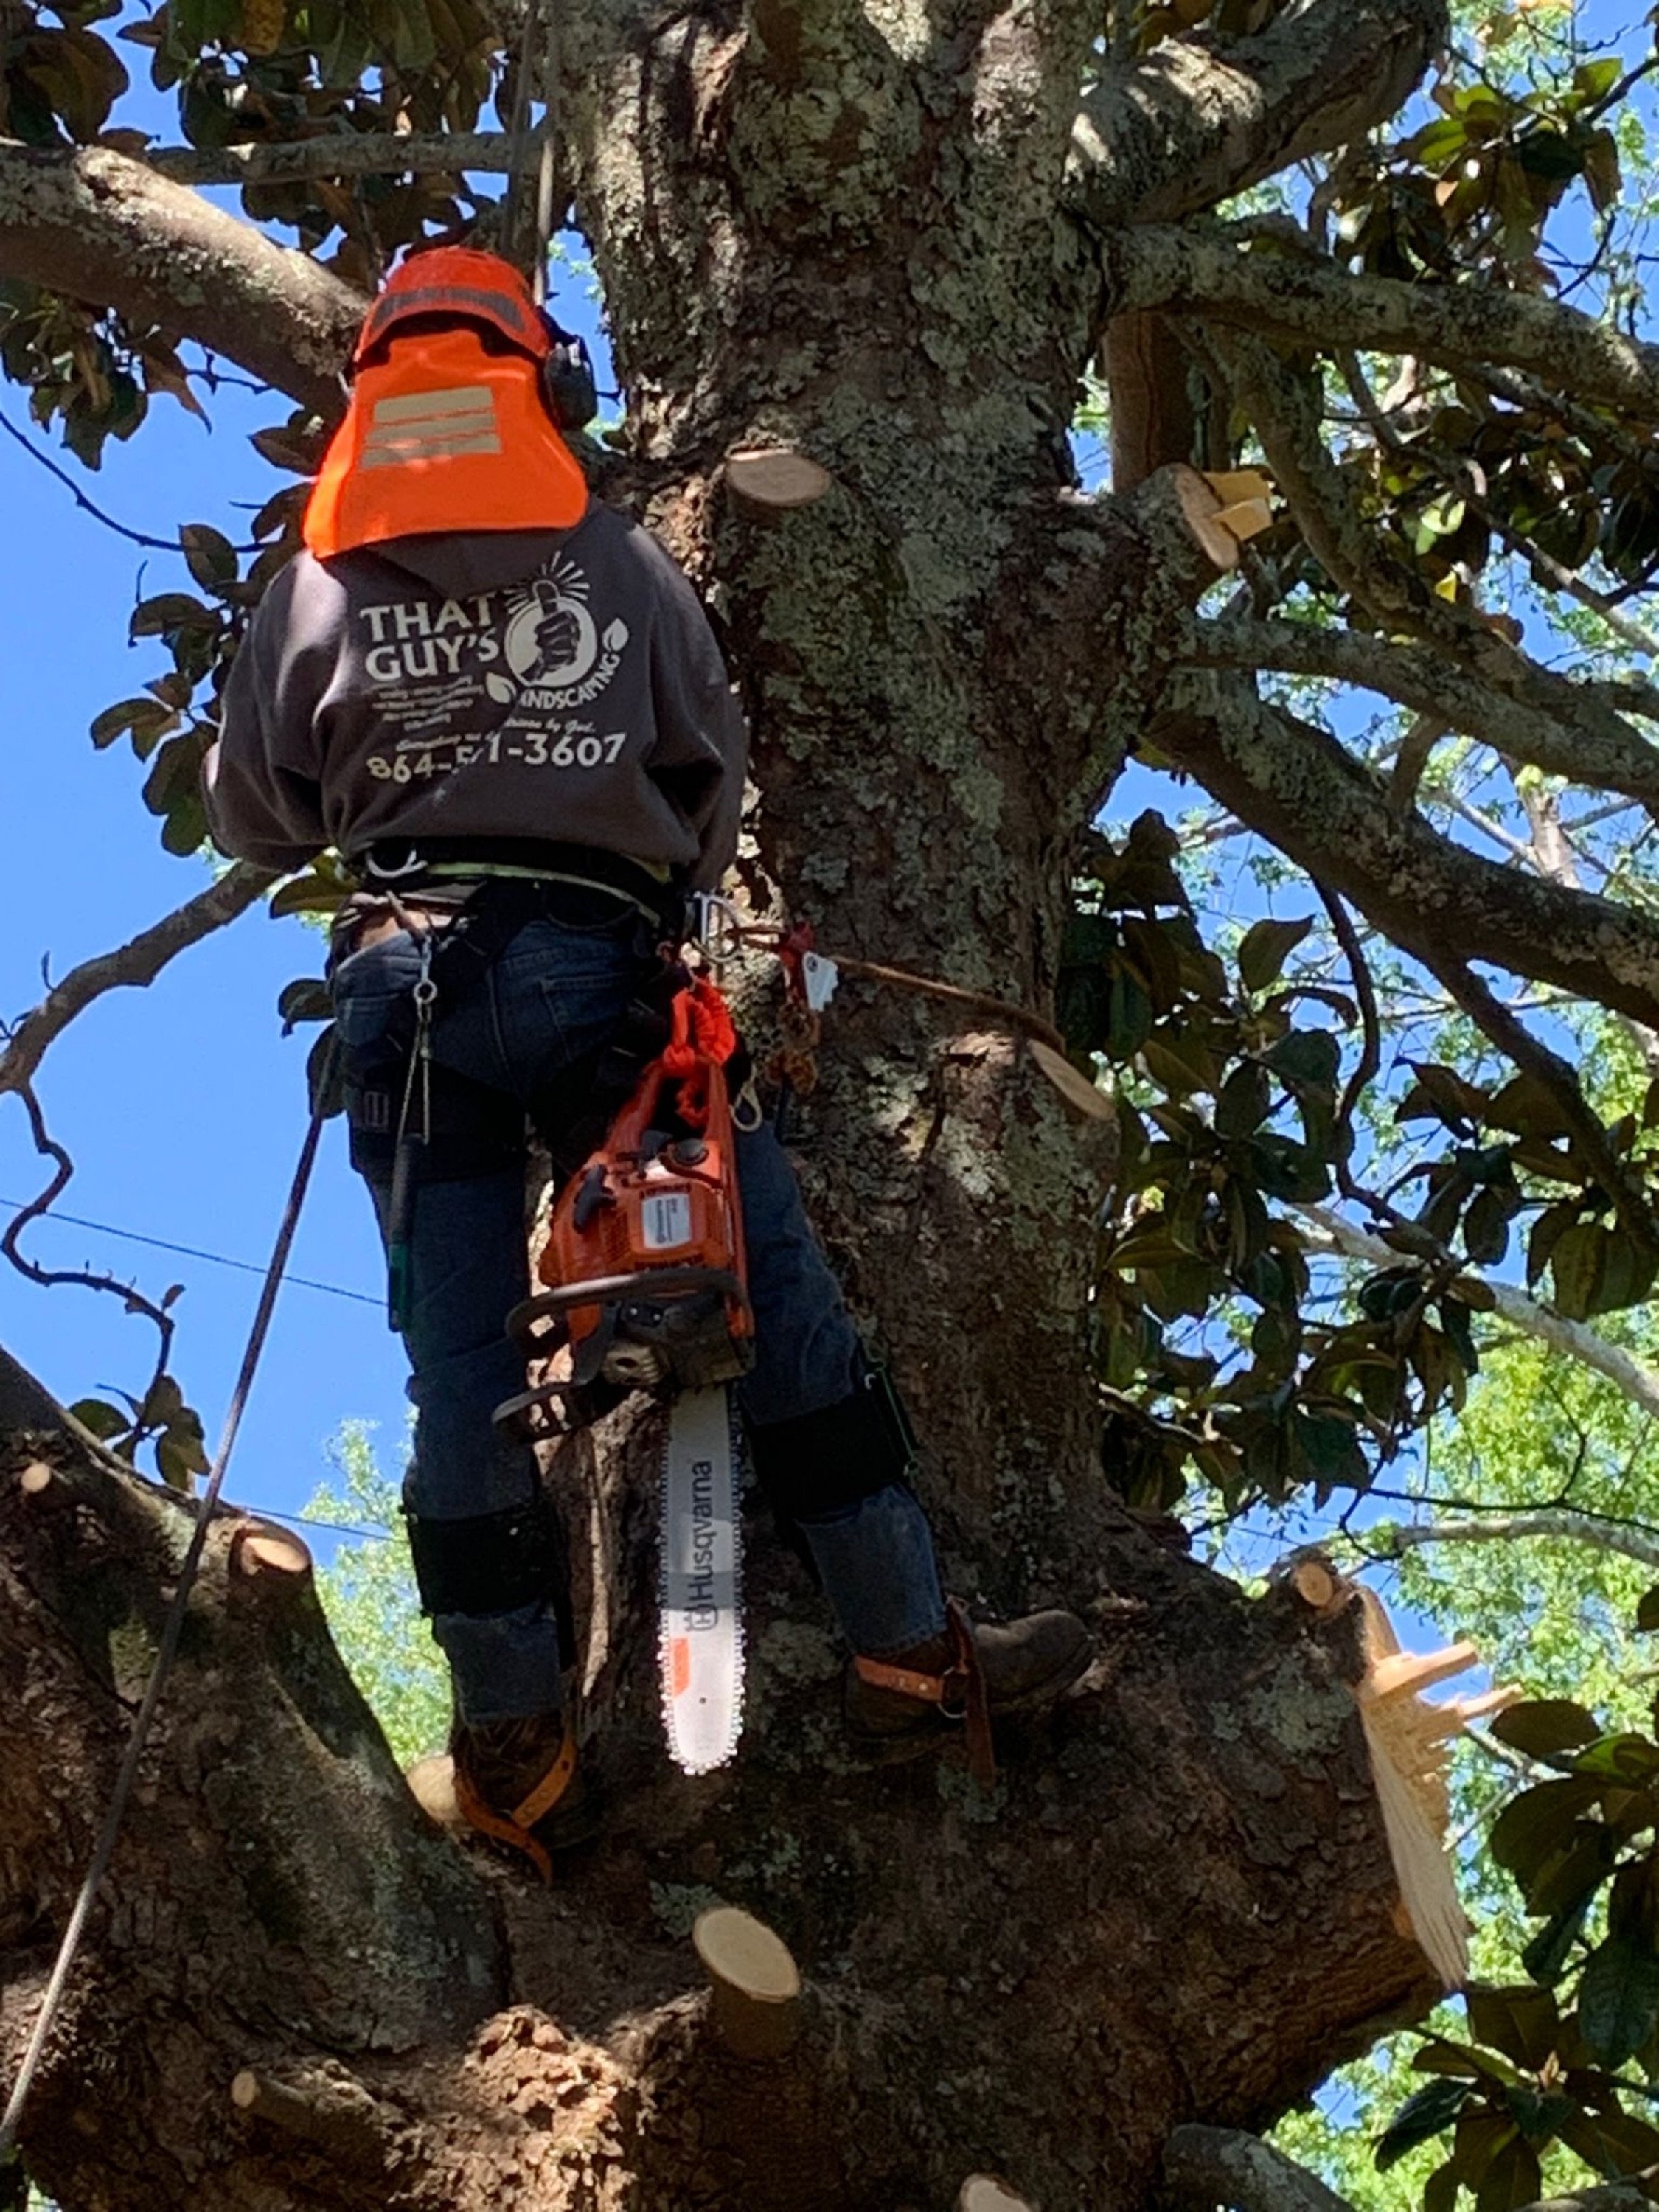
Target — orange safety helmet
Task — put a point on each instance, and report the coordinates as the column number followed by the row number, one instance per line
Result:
column 444, row 432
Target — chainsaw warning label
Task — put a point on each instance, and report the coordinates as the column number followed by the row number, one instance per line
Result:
column 666, row 1220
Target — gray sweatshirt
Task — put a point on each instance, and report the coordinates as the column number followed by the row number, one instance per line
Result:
column 560, row 684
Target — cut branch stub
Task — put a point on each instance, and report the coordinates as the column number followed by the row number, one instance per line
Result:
column 773, row 480
column 983, row 2192
column 255, row 1550
column 756, row 1983
column 337, row 2114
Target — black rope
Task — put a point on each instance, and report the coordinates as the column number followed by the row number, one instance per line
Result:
column 104, row 1850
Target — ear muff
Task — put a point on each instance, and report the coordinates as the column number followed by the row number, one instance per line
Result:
column 573, row 400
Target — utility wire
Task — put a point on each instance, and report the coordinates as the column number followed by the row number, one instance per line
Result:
column 192, row 1251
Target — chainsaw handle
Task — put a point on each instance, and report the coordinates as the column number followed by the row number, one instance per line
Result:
column 607, row 1290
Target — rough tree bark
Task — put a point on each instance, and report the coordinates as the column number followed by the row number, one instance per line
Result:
column 848, row 230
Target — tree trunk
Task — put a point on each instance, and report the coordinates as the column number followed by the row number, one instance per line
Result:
column 1176, row 1905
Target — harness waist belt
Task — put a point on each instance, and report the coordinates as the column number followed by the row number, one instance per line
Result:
column 404, row 864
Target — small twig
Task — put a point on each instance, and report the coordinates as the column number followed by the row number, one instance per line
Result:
column 87, row 506
column 51, row 1278
column 137, row 962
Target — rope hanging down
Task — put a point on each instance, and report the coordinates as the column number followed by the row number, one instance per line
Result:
column 104, row 1850
column 542, row 206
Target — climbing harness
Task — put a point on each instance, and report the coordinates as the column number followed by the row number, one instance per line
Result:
column 207, row 1505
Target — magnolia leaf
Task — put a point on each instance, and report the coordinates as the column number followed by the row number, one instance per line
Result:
column 1427, row 2112
column 1617, row 1999
column 1265, row 948
column 1543, row 1726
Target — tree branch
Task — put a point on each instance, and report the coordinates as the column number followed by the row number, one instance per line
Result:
column 1293, row 784
column 1587, row 744
column 1392, row 1540
column 346, row 154
column 108, row 230
column 1310, row 301
column 1635, row 1381
column 139, row 961
column 1286, row 410
column 1208, row 2167
column 1192, row 123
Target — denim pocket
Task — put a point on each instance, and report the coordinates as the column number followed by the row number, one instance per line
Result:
column 367, row 986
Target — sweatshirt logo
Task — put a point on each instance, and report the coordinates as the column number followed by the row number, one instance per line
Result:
column 552, row 644
column 535, row 647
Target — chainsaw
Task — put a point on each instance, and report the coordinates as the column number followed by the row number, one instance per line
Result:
column 647, row 1291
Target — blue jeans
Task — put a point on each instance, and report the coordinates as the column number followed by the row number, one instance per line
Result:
column 549, row 1002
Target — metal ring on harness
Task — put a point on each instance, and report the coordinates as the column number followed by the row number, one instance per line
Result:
column 412, row 866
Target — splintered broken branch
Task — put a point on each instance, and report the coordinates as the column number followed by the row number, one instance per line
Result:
column 1406, row 1739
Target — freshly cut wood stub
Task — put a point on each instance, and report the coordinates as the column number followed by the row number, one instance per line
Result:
column 1314, row 1584
column 756, row 1983
column 432, row 1784
column 775, row 478
column 256, row 1551
column 1201, row 511
column 36, row 1477
column 338, row 2116
column 983, row 2192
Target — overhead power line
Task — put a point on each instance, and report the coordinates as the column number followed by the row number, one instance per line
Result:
column 192, row 1251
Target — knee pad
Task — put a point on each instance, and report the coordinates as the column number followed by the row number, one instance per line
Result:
column 495, row 1563
column 818, row 1464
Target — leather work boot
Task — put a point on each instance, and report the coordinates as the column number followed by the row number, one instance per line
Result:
column 517, row 1782
column 898, row 1706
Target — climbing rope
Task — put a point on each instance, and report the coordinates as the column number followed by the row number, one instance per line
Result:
column 207, row 1505
column 542, row 206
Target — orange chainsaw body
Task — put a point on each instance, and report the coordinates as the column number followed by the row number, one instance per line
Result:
column 650, row 1228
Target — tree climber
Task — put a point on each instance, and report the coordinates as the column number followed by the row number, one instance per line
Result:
column 475, row 676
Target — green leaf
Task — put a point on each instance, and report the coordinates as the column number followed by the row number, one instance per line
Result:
column 1595, row 80
column 1617, row 1999
column 1265, row 948
column 103, row 1419
column 1545, row 1956
column 1535, row 1826
column 1427, row 2112
column 1577, row 1262
column 1520, row 2021
column 1544, row 1726
column 1512, row 2178
column 209, row 555
column 305, row 999
column 1625, row 1758
column 1242, row 1104
column 170, row 612
column 1306, row 1059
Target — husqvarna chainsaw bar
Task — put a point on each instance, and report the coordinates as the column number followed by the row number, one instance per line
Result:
column 700, row 1646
